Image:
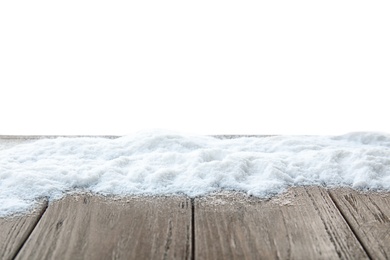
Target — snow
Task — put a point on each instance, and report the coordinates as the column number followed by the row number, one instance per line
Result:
column 162, row 163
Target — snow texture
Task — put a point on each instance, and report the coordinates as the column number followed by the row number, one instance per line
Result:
column 161, row 163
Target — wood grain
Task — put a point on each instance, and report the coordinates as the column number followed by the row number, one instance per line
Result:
column 369, row 216
column 15, row 230
column 301, row 224
column 92, row 227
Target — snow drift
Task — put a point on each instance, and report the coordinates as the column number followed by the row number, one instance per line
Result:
column 161, row 163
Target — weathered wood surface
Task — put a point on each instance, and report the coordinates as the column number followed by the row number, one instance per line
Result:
column 302, row 224
column 368, row 214
column 92, row 227
column 38, row 137
column 15, row 230
column 9, row 143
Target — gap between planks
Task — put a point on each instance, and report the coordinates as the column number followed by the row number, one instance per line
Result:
column 42, row 212
column 368, row 215
column 349, row 224
column 192, row 201
column 15, row 230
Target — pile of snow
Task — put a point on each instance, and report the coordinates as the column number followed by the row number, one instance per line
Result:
column 158, row 163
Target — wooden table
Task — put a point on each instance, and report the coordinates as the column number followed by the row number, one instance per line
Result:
column 303, row 223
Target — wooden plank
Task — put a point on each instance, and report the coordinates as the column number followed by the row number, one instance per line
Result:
column 369, row 216
column 9, row 143
column 37, row 137
column 93, row 227
column 301, row 224
column 15, row 230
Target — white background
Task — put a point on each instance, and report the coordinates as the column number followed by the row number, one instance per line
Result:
column 203, row 67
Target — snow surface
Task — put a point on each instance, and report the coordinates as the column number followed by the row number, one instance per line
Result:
column 160, row 163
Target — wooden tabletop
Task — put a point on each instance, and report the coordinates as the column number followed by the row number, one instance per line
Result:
column 302, row 223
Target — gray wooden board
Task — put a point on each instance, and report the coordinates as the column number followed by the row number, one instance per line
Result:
column 15, row 230
column 93, row 227
column 9, row 141
column 303, row 223
column 37, row 137
column 369, row 216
